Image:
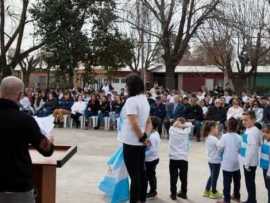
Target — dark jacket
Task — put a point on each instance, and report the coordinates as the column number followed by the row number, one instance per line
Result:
column 18, row 130
column 94, row 107
column 116, row 107
column 194, row 112
column 174, row 112
column 152, row 104
column 266, row 114
column 160, row 111
column 216, row 114
column 65, row 104
column 105, row 108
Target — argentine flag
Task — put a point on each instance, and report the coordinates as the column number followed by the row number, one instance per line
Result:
column 115, row 184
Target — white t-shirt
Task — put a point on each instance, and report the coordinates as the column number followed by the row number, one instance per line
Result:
column 254, row 141
column 200, row 97
column 153, row 92
column 78, row 107
column 179, row 143
column 229, row 145
column 228, row 99
column 151, row 153
column 106, row 89
column 214, row 156
column 245, row 99
column 139, row 106
column 25, row 102
column 235, row 113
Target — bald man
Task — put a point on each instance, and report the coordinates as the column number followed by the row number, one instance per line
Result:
column 18, row 131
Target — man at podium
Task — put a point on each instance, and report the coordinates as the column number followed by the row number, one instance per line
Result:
column 17, row 132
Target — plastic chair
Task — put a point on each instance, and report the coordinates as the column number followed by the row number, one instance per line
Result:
column 66, row 118
column 107, row 123
column 94, row 120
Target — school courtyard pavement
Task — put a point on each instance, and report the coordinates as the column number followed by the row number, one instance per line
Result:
column 77, row 180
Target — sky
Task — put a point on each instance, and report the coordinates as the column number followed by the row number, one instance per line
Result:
column 15, row 6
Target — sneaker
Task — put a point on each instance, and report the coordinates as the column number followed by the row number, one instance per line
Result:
column 151, row 195
column 216, row 195
column 173, row 197
column 182, row 195
column 206, row 193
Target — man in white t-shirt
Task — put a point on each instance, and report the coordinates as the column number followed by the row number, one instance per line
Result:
column 249, row 152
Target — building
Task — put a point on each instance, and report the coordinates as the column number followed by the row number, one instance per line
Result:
column 188, row 78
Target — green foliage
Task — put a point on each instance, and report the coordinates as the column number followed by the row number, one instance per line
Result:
column 81, row 31
column 112, row 50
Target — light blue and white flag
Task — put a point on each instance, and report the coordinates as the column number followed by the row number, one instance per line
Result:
column 115, row 184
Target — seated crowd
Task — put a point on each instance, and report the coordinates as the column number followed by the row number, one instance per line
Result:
column 104, row 106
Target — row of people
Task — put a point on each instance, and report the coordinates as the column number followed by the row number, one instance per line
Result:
column 166, row 105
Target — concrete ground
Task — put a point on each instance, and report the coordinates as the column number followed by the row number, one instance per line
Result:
column 77, row 180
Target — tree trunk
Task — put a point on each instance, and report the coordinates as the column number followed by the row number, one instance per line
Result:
column 170, row 77
column 48, row 78
column 6, row 71
column 26, row 79
column 228, row 81
column 71, row 79
column 240, row 83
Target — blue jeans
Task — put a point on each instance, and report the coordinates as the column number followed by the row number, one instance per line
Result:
column 89, row 114
column 250, row 184
column 43, row 112
column 213, row 178
column 228, row 177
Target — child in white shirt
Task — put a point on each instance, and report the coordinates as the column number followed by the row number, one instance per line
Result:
column 265, row 158
column 152, row 157
column 229, row 145
column 211, row 131
column 251, row 143
column 178, row 153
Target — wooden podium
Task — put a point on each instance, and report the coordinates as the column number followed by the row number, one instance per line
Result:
column 44, row 171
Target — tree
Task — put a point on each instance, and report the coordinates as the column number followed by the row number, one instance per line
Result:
column 216, row 41
column 238, row 40
column 11, row 52
column 28, row 65
column 60, row 23
column 250, row 19
column 81, row 32
column 178, row 23
column 110, row 48
column 141, row 25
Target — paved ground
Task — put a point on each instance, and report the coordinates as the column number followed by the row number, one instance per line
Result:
column 77, row 180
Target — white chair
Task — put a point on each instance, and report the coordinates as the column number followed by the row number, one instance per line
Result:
column 66, row 118
column 71, row 123
column 82, row 121
column 107, row 123
column 94, row 120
